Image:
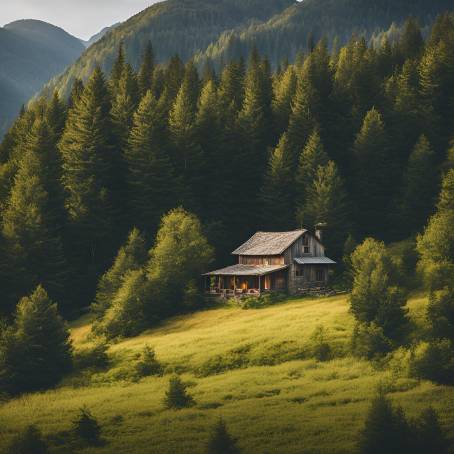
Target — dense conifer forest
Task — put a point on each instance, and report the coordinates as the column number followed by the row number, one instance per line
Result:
column 357, row 138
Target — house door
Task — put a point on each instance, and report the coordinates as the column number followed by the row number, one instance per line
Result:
column 267, row 282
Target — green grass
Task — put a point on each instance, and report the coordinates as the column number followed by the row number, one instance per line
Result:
column 273, row 395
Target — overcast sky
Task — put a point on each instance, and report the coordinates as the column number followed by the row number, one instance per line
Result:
column 82, row 18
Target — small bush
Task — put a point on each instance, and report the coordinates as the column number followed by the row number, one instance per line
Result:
column 92, row 358
column 259, row 302
column 440, row 313
column 387, row 430
column 29, row 441
column 176, row 396
column 86, row 427
column 368, row 341
column 434, row 361
column 148, row 364
column 220, row 441
column 321, row 349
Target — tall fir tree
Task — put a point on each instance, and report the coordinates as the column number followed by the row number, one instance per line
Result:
column 187, row 154
column 327, row 203
column 152, row 183
column 89, row 167
column 32, row 219
column 146, row 71
column 284, row 90
column 420, row 184
column 373, row 174
column 312, row 156
column 36, row 352
column 277, row 191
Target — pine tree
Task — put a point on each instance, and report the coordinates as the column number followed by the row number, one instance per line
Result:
column 187, row 153
column 87, row 427
column 277, row 190
column 117, row 68
column 231, row 86
column 146, row 71
column 326, row 203
column 38, row 352
column 311, row 158
column 29, row 441
column 31, row 221
column 76, row 93
column 386, row 429
column 124, row 105
column 152, row 184
column 220, row 441
column 419, row 188
column 255, row 132
column 374, row 174
column 430, row 436
column 173, row 77
column 411, row 42
column 88, row 163
column 131, row 256
column 284, row 90
column 176, row 396
column 56, row 116
column 446, row 198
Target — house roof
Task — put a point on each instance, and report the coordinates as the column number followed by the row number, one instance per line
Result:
column 247, row 270
column 314, row 261
column 268, row 243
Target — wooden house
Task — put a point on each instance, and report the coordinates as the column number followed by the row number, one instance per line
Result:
column 273, row 261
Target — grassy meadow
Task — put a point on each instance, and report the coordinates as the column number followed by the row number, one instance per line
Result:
column 252, row 367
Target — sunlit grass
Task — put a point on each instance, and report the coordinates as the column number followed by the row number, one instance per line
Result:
column 293, row 405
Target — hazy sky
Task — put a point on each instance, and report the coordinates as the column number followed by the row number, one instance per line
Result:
column 82, row 18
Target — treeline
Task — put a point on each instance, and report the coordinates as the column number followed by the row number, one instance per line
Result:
column 300, row 26
column 356, row 139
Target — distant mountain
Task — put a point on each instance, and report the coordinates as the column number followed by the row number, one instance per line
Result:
column 217, row 31
column 99, row 35
column 283, row 35
column 31, row 52
column 173, row 26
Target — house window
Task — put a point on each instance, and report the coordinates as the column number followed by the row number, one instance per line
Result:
column 320, row 275
column 299, row 272
column 306, row 248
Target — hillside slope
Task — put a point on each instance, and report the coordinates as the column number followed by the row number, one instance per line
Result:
column 181, row 27
column 287, row 33
column 253, row 368
column 31, row 53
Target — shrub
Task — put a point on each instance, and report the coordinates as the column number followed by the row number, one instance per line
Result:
column 86, row 427
column 385, row 430
column 220, row 441
column 368, row 341
column 176, row 396
column 126, row 315
column 373, row 297
column 428, row 434
column 434, row 361
column 440, row 313
column 321, row 349
column 29, row 441
column 95, row 357
column 258, row 302
column 148, row 364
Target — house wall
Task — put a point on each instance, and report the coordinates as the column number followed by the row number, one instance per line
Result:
column 261, row 260
column 306, row 246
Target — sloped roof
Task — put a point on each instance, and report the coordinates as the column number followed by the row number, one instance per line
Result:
column 247, row 270
column 314, row 261
column 268, row 243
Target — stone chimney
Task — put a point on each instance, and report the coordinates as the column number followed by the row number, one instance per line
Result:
column 319, row 230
